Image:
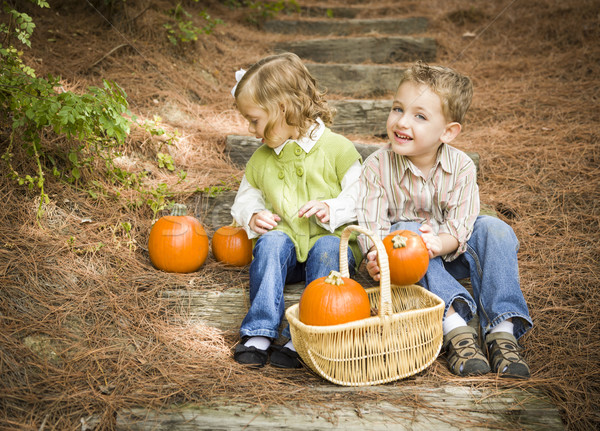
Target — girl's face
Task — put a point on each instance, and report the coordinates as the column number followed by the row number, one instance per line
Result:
column 416, row 125
column 257, row 120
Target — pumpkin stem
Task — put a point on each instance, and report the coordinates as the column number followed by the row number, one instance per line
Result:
column 334, row 278
column 399, row 241
column 179, row 210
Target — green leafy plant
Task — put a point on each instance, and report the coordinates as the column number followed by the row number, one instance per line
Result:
column 94, row 126
column 184, row 29
column 165, row 161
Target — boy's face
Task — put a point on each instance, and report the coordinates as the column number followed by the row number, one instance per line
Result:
column 416, row 125
column 257, row 120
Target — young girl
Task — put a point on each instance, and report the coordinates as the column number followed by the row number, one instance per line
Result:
column 297, row 194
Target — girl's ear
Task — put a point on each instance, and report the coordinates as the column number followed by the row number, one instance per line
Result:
column 452, row 130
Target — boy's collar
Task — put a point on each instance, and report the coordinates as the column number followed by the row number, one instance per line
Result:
column 442, row 158
column 308, row 141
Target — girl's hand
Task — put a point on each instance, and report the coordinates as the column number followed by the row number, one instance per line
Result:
column 263, row 221
column 317, row 208
column 373, row 265
column 432, row 241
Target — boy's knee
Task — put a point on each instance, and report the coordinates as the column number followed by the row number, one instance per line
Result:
column 494, row 228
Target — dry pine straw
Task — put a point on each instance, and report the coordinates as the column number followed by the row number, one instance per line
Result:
column 82, row 330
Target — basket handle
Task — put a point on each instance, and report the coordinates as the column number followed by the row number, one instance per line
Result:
column 385, row 306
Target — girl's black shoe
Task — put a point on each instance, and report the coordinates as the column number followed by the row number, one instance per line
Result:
column 282, row 357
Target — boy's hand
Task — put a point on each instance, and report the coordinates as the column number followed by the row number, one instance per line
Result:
column 432, row 241
column 263, row 221
column 373, row 265
column 317, row 208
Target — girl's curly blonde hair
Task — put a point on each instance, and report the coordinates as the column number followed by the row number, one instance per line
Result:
column 281, row 84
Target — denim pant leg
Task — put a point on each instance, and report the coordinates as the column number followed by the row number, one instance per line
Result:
column 491, row 257
column 323, row 258
column 274, row 257
column 439, row 281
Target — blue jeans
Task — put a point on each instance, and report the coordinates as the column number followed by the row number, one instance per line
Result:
column 273, row 266
column 491, row 262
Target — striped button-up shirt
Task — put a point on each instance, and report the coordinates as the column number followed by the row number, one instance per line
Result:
column 393, row 189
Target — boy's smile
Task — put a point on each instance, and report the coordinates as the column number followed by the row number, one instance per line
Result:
column 417, row 126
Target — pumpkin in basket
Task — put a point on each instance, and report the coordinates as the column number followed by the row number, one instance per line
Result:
column 231, row 245
column 178, row 242
column 333, row 300
column 408, row 257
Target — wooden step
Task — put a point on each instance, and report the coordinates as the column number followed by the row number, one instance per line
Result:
column 330, row 12
column 441, row 408
column 357, row 80
column 379, row 50
column 324, row 27
column 361, row 116
column 240, row 148
column 222, row 310
column 215, row 211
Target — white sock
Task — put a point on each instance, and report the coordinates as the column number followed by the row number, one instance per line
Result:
column 261, row 343
column 290, row 346
column 504, row 326
column 452, row 322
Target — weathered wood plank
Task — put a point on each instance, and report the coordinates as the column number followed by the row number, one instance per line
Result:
column 377, row 50
column 222, row 310
column 441, row 408
column 365, row 117
column 332, row 12
column 215, row 212
column 240, row 148
column 356, row 80
column 324, row 27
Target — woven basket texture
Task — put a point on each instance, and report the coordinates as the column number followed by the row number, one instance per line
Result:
column 404, row 338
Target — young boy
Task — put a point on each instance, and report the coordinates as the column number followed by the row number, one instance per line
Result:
column 420, row 183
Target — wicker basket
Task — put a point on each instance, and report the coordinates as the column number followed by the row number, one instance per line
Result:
column 405, row 338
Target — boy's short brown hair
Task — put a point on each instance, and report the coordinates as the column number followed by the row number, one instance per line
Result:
column 454, row 89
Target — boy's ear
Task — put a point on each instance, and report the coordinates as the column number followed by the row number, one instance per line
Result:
column 451, row 132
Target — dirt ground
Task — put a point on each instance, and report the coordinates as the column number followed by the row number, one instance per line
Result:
column 82, row 331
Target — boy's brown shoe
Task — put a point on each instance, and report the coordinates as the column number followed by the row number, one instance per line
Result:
column 505, row 357
column 464, row 355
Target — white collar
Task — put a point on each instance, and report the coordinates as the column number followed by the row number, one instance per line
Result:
column 308, row 141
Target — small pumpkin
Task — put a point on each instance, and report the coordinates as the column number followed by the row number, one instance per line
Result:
column 333, row 300
column 178, row 242
column 230, row 245
column 408, row 257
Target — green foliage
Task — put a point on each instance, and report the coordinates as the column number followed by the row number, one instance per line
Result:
column 214, row 191
column 165, row 161
column 184, row 29
column 96, row 124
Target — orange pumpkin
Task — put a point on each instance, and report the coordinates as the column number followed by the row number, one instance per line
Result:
column 231, row 245
column 333, row 300
column 178, row 242
column 408, row 257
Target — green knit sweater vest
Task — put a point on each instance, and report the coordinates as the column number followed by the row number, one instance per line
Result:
column 294, row 177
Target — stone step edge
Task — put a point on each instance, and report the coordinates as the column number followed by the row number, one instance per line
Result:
column 378, row 50
column 446, row 407
column 346, row 27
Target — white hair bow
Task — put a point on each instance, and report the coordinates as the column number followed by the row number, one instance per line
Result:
column 238, row 76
